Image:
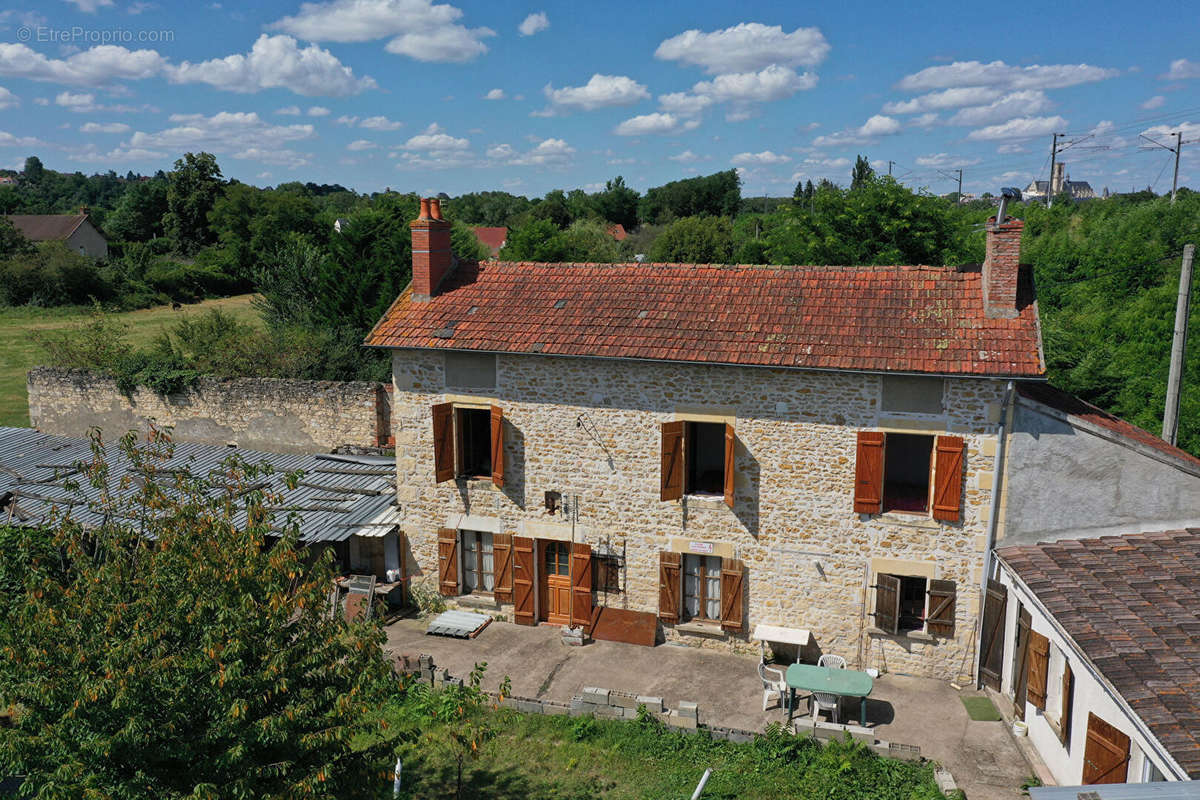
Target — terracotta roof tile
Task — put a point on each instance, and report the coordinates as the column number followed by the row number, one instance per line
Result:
column 903, row 319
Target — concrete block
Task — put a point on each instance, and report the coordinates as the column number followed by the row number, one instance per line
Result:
column 652, row 704
column 554, row 709
column 425, row 661
column 944, row 780
column 676, row 720
column 804, row 726
column 609, row 712
column 740, row 737
column 623, row 699
column 860, row 734
column 529, row 706
column 905, row 752
column 827, row 731
column 575, row 702
column 596, row 695
column 509, row 702
column 689, row 709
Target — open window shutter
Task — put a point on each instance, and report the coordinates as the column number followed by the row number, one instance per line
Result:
column 948, row 478
column 671, row 477
column 502, row 563
column 522, row 579
column 991, row 654
column 448, row 561
column 868, row 473
column 1106, row 754
column 1068, row 701
column 581, row 584
column 443, row 442
column 497, row 446
column 1021, row 670
column 733, row 595
column 668, row 586
column 1039, row 667
column 942, row 599
column 730, row 462
column 887, row 603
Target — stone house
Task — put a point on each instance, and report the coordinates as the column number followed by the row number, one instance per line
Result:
column 75, row 230
column 821, row 448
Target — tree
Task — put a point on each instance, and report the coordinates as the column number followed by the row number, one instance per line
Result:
column 553, row 207
column 34, row 171
column 719, row 194
column 139, row 214
column 588, row 241
column 192, row 191
column 538, row 240
column 862, row 174
column 695, row 240
column 617, row 203
column 187, row 650
column 12, row 242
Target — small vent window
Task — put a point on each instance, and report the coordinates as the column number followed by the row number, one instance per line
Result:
column 912, row 394
column 471, row 370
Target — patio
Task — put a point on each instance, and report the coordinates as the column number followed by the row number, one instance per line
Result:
column 982, row 756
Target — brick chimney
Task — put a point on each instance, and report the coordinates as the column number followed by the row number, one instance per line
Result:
column 1001, row 264
column 431, row 258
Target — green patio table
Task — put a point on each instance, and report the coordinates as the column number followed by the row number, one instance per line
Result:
column 843, row 682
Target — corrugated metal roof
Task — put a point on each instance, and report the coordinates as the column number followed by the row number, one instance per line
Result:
column 1172, row 790
column 338, row 495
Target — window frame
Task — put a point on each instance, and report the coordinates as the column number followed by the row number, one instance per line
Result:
column 460, row 443
column 690, row 449
column 930, row 478
column 478, row 571
column 703, row 577
column 906, row 582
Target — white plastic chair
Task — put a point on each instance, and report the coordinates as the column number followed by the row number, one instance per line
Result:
column 830, row 660
column 773, row 684
column 822, row 701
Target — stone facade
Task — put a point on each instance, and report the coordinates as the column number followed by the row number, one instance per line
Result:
column 281, row 416
column 591, row 428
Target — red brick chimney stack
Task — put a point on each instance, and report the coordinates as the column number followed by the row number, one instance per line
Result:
column 431, row 258
column 1001, row 265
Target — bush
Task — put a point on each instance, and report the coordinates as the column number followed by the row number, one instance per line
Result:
column 695, row 240
column 51, row 275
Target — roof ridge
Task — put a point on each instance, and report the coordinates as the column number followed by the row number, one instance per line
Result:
column 683, row 264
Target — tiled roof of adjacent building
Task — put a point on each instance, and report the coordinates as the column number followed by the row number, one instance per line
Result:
column 902, row 319
column 492, row 238
column 46, row 227
column 1132, row 605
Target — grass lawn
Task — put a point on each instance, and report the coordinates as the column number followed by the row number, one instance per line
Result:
column 19, row 351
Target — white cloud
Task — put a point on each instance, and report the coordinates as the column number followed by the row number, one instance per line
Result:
column 683, row 103
column 879, row 125
column 654, row 123
column 495, row 94
column 873, row 128
column 98, row 66
column 601, row 91
column 421, row 30
column 686, row 157
column 104, row 127
column 947, row 98
column 80, row 103
column 359, row 145
column 276, row 62
column 226, row 132
column 346, row 119
column 1154, row 102
column 1009, row 149
column 377, row 124
column 998, row 73
column 501, row 152
column 277, row 156
column 547, row 153
column 1010, row 106
column 926, row 120
column 749, row 46
column 289, row 111
column 319, row 111
column 8, row 99
column 945, row 161
column 1018, row 128
column 534, row 23
column 1190, row 130
column 820, row 167
column 90, row 6
column 771, row 83
column 8, row 140
column 1181, row 70
column 434, row 140
column 765, row 158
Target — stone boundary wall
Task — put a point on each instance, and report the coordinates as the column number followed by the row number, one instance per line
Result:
column 285, row 416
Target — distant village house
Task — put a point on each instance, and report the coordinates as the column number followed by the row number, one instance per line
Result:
column 75, row 230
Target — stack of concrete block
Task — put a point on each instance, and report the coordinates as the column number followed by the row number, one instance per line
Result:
column 685, row 717
column 612, row 704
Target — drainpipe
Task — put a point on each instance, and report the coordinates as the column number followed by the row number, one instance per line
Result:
column 993, row 520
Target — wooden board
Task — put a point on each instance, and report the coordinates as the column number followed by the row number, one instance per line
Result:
column 620, row 625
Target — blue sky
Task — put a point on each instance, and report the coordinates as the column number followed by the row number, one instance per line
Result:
column 425, row 96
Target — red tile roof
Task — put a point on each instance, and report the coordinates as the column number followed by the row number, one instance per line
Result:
column 46, row 227
column 617, row 231
column 1132, row 605
column 492, row 238
column 904, row 319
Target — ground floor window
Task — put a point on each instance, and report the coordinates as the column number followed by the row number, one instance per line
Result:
column 912, row 603
column 702, row 587
column 478, row 564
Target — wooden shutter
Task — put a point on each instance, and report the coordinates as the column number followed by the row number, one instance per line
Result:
column 1039, row 669
column 868, row 473
column 1106, row 755
column 1020, row 668
column 1068, row 703
column 730, row 462
column 943, row 596
column 668, row 586
column 497, row 446
column 581, row 584
column 733, row 594
column 887, row 603
column 448, row 561
column 991, row 650
column 443, row 442
column 948, row 478
column 671, row 477
column 522, row 580
column 502, row 562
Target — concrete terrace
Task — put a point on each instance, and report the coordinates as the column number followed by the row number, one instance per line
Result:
column 982, row 756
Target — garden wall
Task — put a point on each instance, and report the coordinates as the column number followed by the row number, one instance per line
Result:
column 285, row 416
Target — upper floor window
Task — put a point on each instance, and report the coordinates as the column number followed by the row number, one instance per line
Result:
column 468, row 442
column 471, row 370
column 909, row 472
column 697, row 459
column 912, row 394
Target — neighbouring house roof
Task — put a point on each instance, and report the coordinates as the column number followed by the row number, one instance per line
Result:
column 1132, row 605
column 903, row 319
column 1072, row 406
column 46, row 227
column 343, row 495
column 492, row 238
column 617, row 231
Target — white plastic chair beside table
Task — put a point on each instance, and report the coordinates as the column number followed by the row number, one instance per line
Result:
column 822, row 701
column 830, row 660
column 773, row 684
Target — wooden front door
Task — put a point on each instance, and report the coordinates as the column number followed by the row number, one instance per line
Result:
column 556, row 582
column 1106, row 755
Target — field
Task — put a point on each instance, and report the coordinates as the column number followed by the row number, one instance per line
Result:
column 19, row 351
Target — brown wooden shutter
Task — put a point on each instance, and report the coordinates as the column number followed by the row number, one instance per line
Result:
column 991, row 651
column 581, row 584
column 671, row 477
column 448, row 561
column 1039, row 668
column 502, row 562
column 868, row 473
column 497, row 446
column 1106, row 755
column 1021, row 670
column 1068, row 703
column 948, row 478
column 522, row 580
column 887, row 603
column 943, row 596
column 668, row 586
column 733, row 595
column 730, row 462
column 443, row 442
